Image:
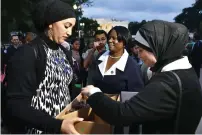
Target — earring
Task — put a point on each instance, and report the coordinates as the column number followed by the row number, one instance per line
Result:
column 50, row 32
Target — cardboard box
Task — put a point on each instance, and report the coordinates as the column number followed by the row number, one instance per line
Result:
column 92, row 123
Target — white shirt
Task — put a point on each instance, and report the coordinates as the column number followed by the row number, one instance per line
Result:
column 120, row 64
column 182, row 63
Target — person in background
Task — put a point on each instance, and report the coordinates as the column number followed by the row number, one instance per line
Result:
column 99, row 47
column 82, row 46
column 89, row 48
column 75, row 51
column 15, row 43
column 84, row 55
column 164, row 105
column 77, row 58
column 196, row 54
column 40, row 73
column 9, row 53
column 188, row 47
column 29, row 37
column 83, row 72
column 76, row 67
column 134, row 53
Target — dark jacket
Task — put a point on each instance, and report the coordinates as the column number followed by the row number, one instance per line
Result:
column 196, row 54
column 26, row 70
column 10, row 52
column 156, row 105
column 196, row 57
column 7, row 55
column 130, row 79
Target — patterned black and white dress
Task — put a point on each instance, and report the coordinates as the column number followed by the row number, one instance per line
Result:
column 53, row 92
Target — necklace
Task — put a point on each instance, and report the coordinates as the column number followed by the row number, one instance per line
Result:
column 114, row 57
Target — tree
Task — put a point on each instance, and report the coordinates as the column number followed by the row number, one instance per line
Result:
column 134, row 26
column 90, row 26
column 16, row 15
column 191, row 17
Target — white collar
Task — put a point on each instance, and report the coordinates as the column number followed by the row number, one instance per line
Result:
column 120, row 64
column 182, row 63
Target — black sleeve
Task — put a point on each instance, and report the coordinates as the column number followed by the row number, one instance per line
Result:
column 156, row 101
column 22, row 85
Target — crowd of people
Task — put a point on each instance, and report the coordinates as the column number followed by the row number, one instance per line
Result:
column 44, row 73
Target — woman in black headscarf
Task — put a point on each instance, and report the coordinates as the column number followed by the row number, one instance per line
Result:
column 162, row 106
column 40, row 73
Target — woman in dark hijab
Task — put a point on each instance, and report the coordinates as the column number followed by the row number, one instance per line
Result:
column 40, row 73
column 171, row 102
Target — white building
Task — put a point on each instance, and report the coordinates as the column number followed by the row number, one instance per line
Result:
column 107, row 24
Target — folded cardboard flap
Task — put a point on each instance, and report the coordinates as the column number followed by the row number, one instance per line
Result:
column 90, row 125
column 85, row 113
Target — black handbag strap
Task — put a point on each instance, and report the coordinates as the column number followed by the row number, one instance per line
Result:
column 176, row 128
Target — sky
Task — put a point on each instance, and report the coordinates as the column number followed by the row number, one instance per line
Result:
column 136, row 10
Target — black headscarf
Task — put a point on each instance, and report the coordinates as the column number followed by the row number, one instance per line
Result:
column 47, row 12
column 165, row 39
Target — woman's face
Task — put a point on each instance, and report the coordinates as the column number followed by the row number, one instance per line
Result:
column 76, row 45
column 114, row 44
column 61, row 30
column 147, row 57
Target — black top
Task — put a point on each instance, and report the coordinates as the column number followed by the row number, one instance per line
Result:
column 33, row 101
column 155, row 105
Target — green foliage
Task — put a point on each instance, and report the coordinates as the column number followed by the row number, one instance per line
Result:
column 134, row 26
column 90, row 26
column 191, row 17
column 16, row 15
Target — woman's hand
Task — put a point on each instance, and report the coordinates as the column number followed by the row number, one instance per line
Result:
column 68, row 126
column 86, row 90
column 89, row 90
